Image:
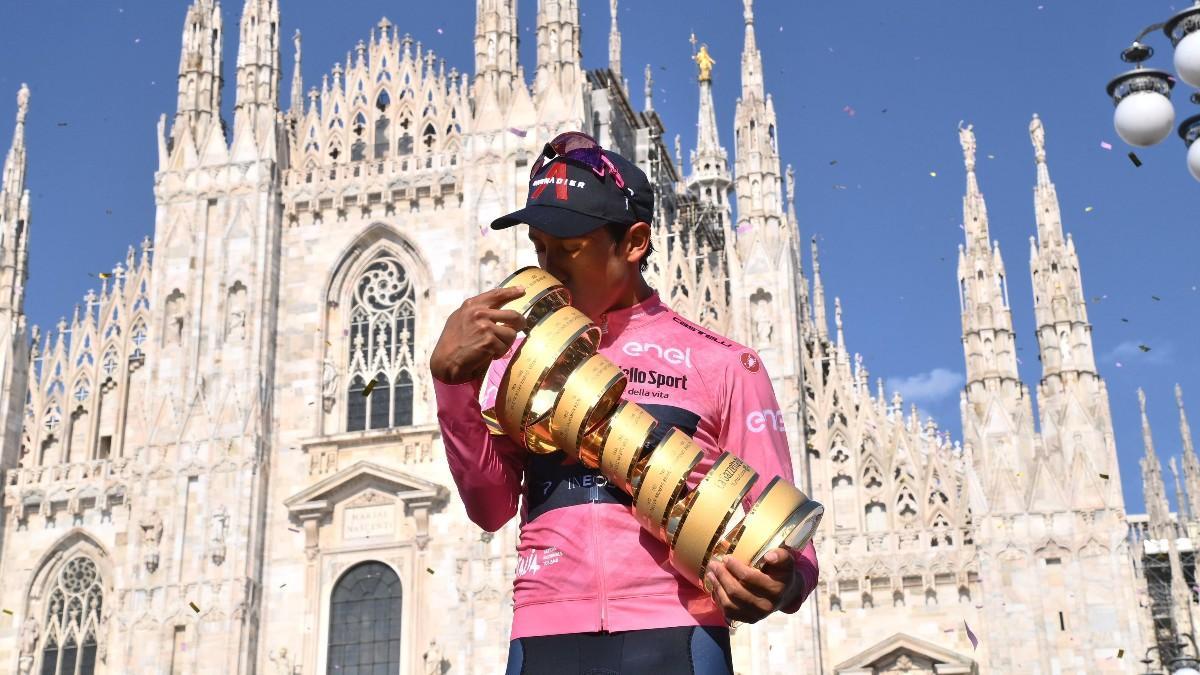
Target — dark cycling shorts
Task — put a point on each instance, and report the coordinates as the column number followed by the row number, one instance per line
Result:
column 686, row 650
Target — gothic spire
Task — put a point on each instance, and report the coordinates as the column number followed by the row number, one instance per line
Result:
column 756, row 147
column 496, row 43
column 14, row 217
column 752, row 79
column 988, row 340
column 558, row 47
column 1157, row 507
column 297, row 104
column 258, row 66
column 12, row 189
column 1064, row 334
column 710, row 180
column 648, row 91
column 198, row 103
column 614, row 42
column 1191, row 464
column 818, row 294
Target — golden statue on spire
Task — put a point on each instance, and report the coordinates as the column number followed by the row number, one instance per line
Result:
column 705, row 62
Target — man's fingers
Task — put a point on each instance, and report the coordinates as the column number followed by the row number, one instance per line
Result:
column 505, row 334
column 499, row 296
column 749, row 588
column 506, row 317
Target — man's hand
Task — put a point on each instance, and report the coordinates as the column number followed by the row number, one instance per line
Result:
column 746, row 594
column 474, row 335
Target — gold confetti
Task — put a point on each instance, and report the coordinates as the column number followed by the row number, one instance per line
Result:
column 7, row 611
column 328, row 343
column 282, row 585
column 1144, row 348
column 1088, row 210
column 1104, row 476
column 370, row 388
column 429, row 569
column 104, row 275
column 293, row 529
column 933, row 174
column 1120, row 653
column 1062, row 623
column 195, row 607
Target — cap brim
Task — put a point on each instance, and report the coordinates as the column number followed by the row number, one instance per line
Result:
column 552, row 220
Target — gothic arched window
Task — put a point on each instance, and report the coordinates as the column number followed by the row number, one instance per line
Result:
column 69, row 632
column 382, row 318
column 364, row 621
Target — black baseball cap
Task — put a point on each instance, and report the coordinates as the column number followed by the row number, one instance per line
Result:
column 576, row 186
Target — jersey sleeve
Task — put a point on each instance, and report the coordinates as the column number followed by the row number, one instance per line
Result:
column 752, row 428
column 487, row 469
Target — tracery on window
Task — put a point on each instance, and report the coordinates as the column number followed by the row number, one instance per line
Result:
column 70, row 630
column 382, row 319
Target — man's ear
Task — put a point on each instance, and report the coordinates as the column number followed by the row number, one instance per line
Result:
column 636, row 242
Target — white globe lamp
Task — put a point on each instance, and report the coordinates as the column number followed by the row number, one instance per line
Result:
column 1187, row 670
column 1144, row 114
column 1193, row 160
column 1183, row 30
column 1187, row 59
column 1144, row 118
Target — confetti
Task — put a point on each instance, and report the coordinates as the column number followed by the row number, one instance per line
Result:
column 1134, row 158
column 971, row 636
column 104, row 275
column 933, row 174
column 1118, row 364
column 195, row 607
column 293, row 529
column 1104, row 476
column 429, row 569
column 991, row 157
column 1144, row 348
column 1124, row 320
column 62, row 124
column 1106, row 145
column 1155, row 298
column 137, row 41
column 1088, row 209
column 1062, row 623
column 328, row 343
column 282, row 585
column 440, row 31
column 832, row 162
column 7, row 611
column 839, row 187
column 1120, row 653
column 370, row 388
column 520, row 133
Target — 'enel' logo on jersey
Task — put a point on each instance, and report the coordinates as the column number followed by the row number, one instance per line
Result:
column 672, row 355
column 762, row 419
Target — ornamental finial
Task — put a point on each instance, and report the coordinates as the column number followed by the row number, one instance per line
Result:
column 966, row 138
column 1037, row 134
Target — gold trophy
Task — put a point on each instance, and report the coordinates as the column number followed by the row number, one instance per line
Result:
column 559, row 394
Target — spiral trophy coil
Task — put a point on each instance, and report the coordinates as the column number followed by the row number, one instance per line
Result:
column 557, row 393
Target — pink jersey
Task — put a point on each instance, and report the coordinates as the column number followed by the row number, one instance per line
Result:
column 585, row 564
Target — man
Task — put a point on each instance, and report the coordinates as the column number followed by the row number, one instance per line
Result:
column 593, row 592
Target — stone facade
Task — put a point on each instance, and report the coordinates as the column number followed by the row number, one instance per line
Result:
column 227, row 444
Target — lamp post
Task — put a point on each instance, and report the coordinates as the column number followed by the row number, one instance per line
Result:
column 1183, row 664
column 1144, row 115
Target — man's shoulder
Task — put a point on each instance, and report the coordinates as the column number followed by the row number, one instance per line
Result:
column 711, row 350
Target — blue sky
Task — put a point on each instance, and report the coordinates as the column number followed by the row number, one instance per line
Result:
column 101, row 72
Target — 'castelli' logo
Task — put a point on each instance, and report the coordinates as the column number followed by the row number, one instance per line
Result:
column 750, row 362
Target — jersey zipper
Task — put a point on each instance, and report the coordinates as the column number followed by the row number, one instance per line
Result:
column 598, row 552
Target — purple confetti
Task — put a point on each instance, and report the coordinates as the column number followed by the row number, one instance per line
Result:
column 1106, row 145
column 971, row 636
column 517, row 132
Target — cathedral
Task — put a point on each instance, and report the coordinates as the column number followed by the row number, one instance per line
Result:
column 228, row 459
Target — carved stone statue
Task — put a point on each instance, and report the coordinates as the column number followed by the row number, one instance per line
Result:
column 30, row 631
column 216, row 547
column 284, row 663
column 329, row 383
column 235, row 322
column 175, row 318
column 433, row 659
column 761, row 312
column 966, row 138
column 1037, row 134
column 152, row 529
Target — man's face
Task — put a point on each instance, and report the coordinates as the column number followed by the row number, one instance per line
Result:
column 593, row 267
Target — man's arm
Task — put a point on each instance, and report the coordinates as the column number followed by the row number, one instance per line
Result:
column 487, row 469
column 752, row 427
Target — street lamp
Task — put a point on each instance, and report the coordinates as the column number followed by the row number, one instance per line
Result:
column 1183, row 664
column 1144, row 115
